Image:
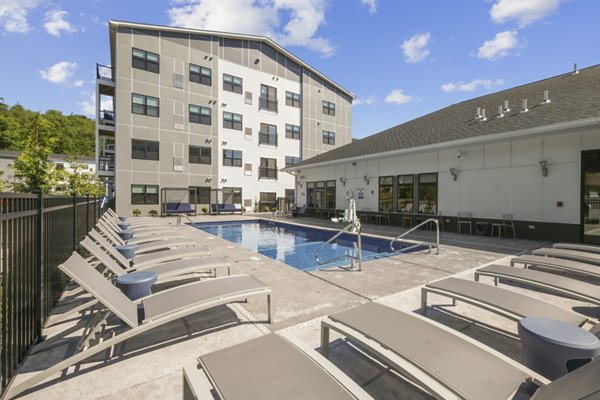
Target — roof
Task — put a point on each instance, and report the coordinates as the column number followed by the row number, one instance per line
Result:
column 573, row 97
column 229, row 35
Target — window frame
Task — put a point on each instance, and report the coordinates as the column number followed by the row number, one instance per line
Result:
column 292, row 133
column 232, row 161
column 148, row 198
column 232, row 83
column 231, row 123
column 199, row 117
column 267, row 168
column 328, row 108
column 293, row 99
column 402, row 200
column 200, row 76
column 141, row 146
column 143, row 62
column 385, row 198
column 148, row 110
column 268, row 134
column 431, row 206
column 199, row 193
column 329, row 138
column 268, row 98
column 291, row 160
column 199, row 158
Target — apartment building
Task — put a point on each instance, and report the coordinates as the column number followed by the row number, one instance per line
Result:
column 215, row 115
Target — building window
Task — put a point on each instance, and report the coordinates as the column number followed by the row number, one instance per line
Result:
column 328, row 108
column 200, row 115
column 405, row 193
column 268, row 168
column 144, row 194
column 292, row 131
column 199, row 194
column 291, row 160
column 292, row 99
column 144, row 150
column 268, row 98
column 267, row 199
column 145, row 60
column 144, row 105
column 330, row 194
column 427, row 190
column 267, row 134
column 232, row 121
column 232, row 83
column 232, row 158
column 328, row 137
column 200, row 155
column 200, row 74
column 232, row 195
column 386, row 186
column 310, row 194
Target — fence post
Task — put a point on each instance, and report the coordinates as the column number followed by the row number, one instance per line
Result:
column 39, row 282
column 74, row 221
column 87, row 213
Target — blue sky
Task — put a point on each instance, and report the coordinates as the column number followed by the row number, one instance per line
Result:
column 402, row 59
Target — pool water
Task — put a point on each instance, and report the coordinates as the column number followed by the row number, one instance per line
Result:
column 296, row 245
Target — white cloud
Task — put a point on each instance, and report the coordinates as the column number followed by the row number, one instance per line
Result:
column 524, row 12
column 371, row 4
column 302, row 19
column 78, row 83
column 59, row 72
column 55, row 22
column 397, row 96
column 415, row 49
column 369, row 101
column 13, row 14
column 471, row 86
column 500, row 45
column 88, row 107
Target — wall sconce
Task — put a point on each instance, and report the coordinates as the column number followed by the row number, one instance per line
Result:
column 366, row 178
column 208, row 180
column 454, row 174
column 223, row 180
column 343, row 181
column 544, row 166
column 224, row 142
column 208, row 140
column 300, row 185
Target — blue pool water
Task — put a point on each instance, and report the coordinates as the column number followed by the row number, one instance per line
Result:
column 296, row 245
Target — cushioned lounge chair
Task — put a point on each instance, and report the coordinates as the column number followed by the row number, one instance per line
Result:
column 501, row 301
column 563, row 285
column 583, row 256
column 158, row 309
column 578, row 246
column 450, row 365
column 443, row 362
column 145, row 260
column 268, row 368
column 557, row 263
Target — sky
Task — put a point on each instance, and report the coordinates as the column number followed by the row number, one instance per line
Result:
column 401, row 58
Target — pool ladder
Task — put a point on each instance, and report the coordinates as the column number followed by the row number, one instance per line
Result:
column 430, row 245
column 354, row 227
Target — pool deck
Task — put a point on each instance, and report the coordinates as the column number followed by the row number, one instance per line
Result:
column 149, row 366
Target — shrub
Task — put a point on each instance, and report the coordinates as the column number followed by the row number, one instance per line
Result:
column 266, row 209
column 204, row 210
column 136, row 212
column 153, row 213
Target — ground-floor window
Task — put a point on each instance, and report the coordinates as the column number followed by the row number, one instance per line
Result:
column 267, row 199
column 386, row 186
column 232, row 195
column 330, row 194
column 405, row 193
column 428, row 193
column 321, row 194
column 200, row 194
column 144, row 194
column 310, row 194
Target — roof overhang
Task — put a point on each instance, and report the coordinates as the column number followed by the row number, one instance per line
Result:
column 580, row 125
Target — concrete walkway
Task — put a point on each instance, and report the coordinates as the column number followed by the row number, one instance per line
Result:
column 149, row 366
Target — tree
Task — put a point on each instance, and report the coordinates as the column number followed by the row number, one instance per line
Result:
column 2, row 182
column 82, row 181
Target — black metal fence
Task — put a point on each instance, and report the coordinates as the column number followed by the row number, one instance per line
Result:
column 37, row 233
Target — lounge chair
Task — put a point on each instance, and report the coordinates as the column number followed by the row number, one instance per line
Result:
column 583, row 256
column 149, row 231
column 156, row 242
column 565, row 286
column 578, row 246
column 503, row 302
column 557, row 263
column 268, row 368
column 299, row 211
column 146, row 260
column 443, row 362
column 158, row 309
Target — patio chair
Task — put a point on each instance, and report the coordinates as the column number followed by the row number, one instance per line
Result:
column 557, row 264
column 148, row 228
column 444, row 363
column 556, row 283
column 464, row 218
column 506, row 224
column 293, row 370
column 145, row 260
column 158, row 309
column 299, row 211
column 583, row 256
column 146, row 244
column 578, row 246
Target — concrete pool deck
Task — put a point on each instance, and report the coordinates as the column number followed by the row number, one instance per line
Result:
column 149, row 366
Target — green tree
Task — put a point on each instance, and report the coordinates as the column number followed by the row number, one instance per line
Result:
column 2, row 182
column 82, row 181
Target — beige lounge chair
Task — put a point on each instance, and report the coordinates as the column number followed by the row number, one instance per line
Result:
column 578, row 246
column 557, row 263
column 152, row 235
column 145, row 245
column 158, row 309
column 269, row 367
column 563, row 285
column 583, row 256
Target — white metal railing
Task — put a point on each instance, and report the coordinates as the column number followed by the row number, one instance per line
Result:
column 351, row 226
column 427, row 221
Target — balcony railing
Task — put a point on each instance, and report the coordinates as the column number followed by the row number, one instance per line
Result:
column 106, row 117
column 266, row 104
column 267, row 138
column 106, row 164
column 267, row 173
column 104, row 72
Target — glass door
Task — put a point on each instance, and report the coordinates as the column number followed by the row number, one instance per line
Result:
column 590, row 209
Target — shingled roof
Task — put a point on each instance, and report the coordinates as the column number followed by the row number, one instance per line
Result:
column 573, row 96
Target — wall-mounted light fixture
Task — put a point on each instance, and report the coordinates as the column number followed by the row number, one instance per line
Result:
column 343, row 181
column 300, row 185
column 454, row 174
column 208, row 140
column 459, row 155
column 209, row 179
column 224, row 142
column 544, row 166
column 367, row 179
column 223, row 180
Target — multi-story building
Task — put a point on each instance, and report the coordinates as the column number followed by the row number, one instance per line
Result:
column 218, row 114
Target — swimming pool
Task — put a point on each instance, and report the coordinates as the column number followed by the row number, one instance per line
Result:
column 295, row 245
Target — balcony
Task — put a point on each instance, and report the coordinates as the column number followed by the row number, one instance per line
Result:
column 266, row 104
column 106, row 164
column 106, row 117
column 104, row 72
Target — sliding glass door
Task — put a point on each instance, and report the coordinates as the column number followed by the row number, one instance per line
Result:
column 590, row 208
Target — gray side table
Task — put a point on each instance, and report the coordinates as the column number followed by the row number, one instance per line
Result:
column 137, row 284
column 554, row 348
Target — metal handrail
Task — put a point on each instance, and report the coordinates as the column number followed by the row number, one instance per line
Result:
column 352, row 225
column 437, row 236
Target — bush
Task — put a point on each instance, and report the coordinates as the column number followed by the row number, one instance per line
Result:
column 204, row 210
column 153, row 213
column 266, row 209
column 136, row 212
